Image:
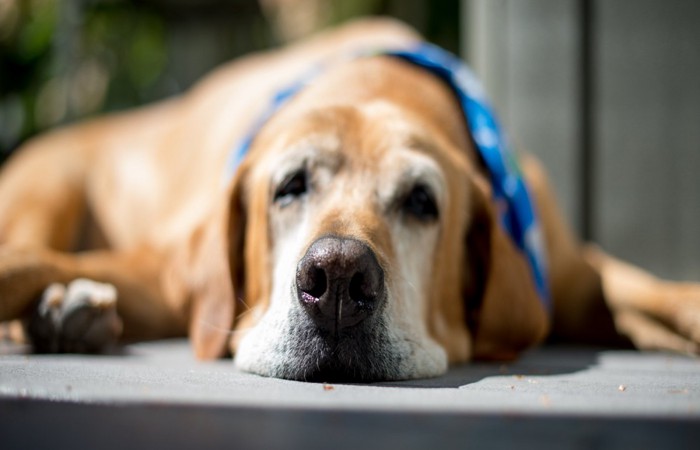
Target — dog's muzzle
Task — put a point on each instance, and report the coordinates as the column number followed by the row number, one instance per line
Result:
column 339, row 284
column 339, row 325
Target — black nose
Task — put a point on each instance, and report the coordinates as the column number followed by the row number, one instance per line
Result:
column 339, row 283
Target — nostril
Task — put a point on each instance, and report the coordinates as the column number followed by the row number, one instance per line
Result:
column 312, row 282
column 319, row 283
column 358, row 290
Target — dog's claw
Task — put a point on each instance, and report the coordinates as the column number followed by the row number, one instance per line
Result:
column 79, row 318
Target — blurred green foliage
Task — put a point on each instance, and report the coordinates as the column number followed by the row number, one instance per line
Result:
column 61, row 60
column 130, row 44
column 26, row 31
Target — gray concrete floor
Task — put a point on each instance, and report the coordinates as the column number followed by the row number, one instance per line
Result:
column 158, row 393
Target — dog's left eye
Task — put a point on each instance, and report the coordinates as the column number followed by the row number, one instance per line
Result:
column 420, row 203
column 293, row 187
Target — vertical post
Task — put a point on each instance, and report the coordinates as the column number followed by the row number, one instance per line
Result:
column 587, row 150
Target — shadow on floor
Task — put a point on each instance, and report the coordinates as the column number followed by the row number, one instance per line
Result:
column 557, row 361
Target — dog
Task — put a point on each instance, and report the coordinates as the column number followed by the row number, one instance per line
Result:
column 359, row 238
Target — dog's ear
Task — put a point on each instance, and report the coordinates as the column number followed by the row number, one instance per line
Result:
column 504, row 312
column 212, row 267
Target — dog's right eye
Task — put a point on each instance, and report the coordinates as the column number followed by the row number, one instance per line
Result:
column 293, row 187
column 420, row 203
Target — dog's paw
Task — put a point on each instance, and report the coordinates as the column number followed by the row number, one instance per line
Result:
column 78, row 318
column 654, row 314
column 670, row 321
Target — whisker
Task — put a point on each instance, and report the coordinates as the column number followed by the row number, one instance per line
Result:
column 219, row 329
column 408, row 283
column 246, row 312
column 230, row 332
column 241, row 300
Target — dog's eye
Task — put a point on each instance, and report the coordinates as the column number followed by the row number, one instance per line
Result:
column 420, row 203
column 293, row 187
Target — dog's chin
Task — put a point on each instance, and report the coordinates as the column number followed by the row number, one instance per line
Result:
column 368, row 352
column 351, row 355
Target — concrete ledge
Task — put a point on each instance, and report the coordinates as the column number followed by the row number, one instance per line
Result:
column 157, row 393
column 43, row 424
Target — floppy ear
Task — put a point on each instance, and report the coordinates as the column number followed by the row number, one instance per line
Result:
column 504, row 312
column 214, row 274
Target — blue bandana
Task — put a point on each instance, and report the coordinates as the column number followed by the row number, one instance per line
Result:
column 510, row 192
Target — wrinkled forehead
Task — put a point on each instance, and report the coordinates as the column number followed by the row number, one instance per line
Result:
column 411, row 88
column 381, row 88
column 375, row 136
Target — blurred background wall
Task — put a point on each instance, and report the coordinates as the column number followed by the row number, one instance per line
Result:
column 606, row 92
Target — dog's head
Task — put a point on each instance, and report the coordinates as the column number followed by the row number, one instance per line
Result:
column 361, row 238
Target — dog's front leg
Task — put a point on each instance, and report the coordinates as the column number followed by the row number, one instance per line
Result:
column 76, row 302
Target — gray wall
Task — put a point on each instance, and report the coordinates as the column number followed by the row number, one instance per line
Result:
column 642, row 137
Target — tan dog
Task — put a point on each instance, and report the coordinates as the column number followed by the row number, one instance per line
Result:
column 357, row 240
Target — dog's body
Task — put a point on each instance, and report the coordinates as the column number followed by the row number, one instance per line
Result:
column 358, row 239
